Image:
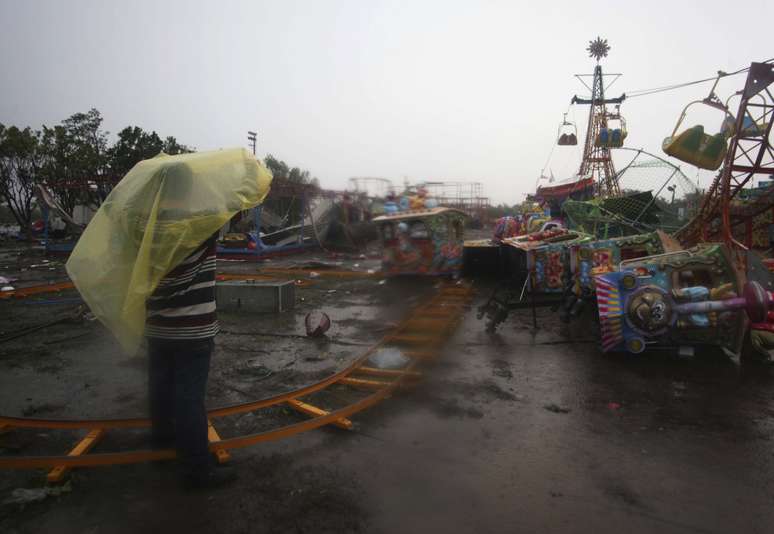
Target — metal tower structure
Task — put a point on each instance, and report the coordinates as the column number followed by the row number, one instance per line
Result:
column 597, row 162
column 376, row 187
column 750, row 155
column 466, row 196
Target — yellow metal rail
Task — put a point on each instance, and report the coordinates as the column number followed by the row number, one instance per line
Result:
column 409, row 334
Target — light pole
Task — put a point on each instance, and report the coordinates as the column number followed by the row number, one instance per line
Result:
column 672, row 189
column 252, row 136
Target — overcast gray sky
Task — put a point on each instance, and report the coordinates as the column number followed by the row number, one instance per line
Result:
column 423, row 89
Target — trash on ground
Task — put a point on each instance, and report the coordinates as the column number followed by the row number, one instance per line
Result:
column 257, row 371
column 316, row 264
column 556, row 408
column 24, row 496
column 317, row 323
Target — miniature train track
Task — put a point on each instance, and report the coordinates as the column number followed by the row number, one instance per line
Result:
column 24, row 292
column 419, row 337
column 266, row 273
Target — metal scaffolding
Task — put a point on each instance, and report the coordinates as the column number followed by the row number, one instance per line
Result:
column 467, row 196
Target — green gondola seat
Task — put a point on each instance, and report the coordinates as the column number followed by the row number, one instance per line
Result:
column 697, row 148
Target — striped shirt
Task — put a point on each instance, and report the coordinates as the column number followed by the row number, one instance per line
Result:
column 183, row 305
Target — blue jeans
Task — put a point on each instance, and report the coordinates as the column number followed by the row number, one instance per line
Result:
column 178, row 372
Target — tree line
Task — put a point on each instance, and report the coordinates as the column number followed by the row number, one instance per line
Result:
column 76, row 162
column 73, row 160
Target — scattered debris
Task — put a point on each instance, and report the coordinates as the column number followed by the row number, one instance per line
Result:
column 316, row 264
column 71, row 317
column 25, row 496
column 259, row 372
column 613, row 405
column 501, row 369
column 556, row 408
column 317, row 323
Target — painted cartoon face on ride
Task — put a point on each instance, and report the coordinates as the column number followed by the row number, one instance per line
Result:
column 649, row 311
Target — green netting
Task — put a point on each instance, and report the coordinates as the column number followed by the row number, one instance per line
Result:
column 615, row 217
column 654, row 195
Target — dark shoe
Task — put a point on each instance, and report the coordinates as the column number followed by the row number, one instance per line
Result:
column 210, row 479
column 162, row 445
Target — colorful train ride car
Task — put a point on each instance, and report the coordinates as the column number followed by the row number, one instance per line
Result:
column 605, row 255
column 560, row 258
column 684, row 299
column 422, row 241
column 546, row 257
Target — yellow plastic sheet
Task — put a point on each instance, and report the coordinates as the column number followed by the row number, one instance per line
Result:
column 162, row 210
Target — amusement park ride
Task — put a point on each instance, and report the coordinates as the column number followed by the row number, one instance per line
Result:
column 749, row 156
column 710, row 284
column 600, row 136
column 597, row 171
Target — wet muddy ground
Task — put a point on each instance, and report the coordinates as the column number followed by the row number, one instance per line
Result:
column 520, row 431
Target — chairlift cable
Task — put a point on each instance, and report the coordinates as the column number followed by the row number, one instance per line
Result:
column 543, row 170
column 553, row 146
column 643, row 92
column 654, row 90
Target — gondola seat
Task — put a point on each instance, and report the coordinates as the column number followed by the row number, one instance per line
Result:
column 610, row 137
column 749, row 127
column 567, row 139
column 697, row 148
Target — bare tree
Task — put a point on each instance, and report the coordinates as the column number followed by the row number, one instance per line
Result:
column 21, row 159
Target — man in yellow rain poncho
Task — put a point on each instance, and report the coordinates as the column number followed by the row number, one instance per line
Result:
column 145, row 265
